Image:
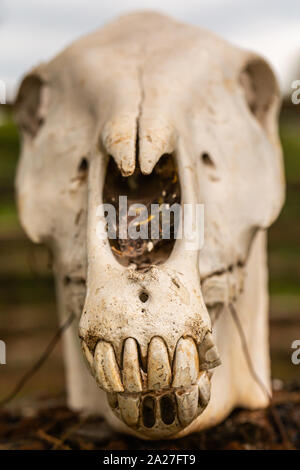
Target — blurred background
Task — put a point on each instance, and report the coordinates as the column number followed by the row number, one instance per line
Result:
column 33, row 31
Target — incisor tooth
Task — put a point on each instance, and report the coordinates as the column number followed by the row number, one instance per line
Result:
column 204, row 389
column 186, row 364
column 129, row 408
column 159, row 370
column 87, row 354
column 187, row 404
column 208, row 353
column 131, row 368
column 106, row 368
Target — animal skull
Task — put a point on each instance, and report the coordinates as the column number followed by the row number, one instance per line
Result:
column 107, row 113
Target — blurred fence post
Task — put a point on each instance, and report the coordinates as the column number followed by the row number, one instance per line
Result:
column 2, row 352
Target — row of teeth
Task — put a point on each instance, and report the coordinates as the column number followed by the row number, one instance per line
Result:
column 162, row 412
column 159, row 401
column 187, row 364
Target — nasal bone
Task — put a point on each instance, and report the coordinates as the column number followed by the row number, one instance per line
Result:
column 130, row 141
column 156, row 138
column 119, row 137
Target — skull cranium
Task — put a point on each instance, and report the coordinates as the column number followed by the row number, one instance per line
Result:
column 142, row 90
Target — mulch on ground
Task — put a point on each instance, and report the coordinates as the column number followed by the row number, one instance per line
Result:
column 57, row 427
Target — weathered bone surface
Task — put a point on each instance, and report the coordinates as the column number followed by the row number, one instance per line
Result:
column 156, row 102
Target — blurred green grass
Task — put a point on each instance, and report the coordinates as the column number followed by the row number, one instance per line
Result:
column 284, row 235
column 26, row 281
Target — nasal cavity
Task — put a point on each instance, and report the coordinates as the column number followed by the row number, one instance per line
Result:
column 143, row 212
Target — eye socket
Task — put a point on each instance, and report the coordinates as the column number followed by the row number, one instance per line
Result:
column 260, row 90
column 207, row 160
column 29, row 106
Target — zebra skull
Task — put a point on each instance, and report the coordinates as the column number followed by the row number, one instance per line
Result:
column 157, row 111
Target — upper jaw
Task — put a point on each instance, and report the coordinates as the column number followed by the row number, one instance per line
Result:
column 150, row 357
column 115, row 310
column 148, row 391
column 159, row 387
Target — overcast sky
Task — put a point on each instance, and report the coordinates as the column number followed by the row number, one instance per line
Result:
column 32, row 31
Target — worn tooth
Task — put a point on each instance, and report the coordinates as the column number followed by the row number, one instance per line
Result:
column 212, row 357
column 159, row 370
column 204, row 389
column 87, row 354
column 106, row 368
column 131, row 368
column 186, row 364
column 187, row 404
column 208, row 353
column 112, row 399
column 129, row 408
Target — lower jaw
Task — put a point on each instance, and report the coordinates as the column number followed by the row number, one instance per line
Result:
column 156, row 414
